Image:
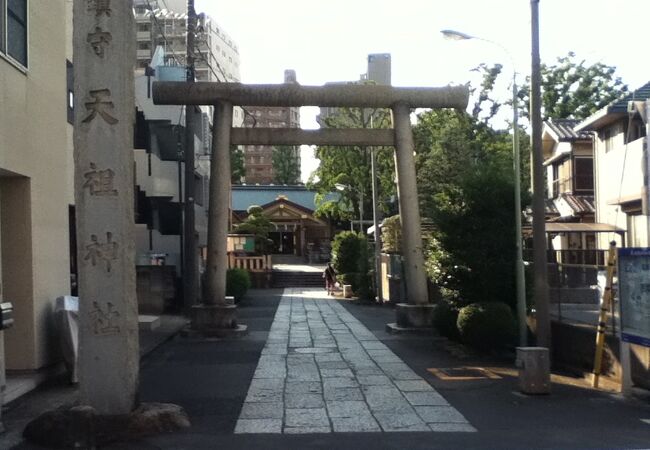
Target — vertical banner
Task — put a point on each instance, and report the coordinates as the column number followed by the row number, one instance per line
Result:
column 104, row 56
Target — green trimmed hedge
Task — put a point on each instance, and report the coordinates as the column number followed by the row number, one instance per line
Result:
column 238, row 282
column 445, row 318
column 487, row 325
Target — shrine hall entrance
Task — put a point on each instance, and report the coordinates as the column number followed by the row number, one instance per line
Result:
column 283, row 242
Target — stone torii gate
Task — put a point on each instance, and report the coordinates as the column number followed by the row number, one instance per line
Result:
column 215, row 315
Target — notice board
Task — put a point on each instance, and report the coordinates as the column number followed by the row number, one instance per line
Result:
column 634, row 294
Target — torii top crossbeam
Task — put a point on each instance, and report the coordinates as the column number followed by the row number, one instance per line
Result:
column 348, row 95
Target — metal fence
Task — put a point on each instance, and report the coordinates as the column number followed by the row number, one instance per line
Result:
column 576, row 281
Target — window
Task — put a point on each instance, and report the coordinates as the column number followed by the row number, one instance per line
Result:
column 70, row 87
column 13, row 30
column 584, row 174
column 609, row 136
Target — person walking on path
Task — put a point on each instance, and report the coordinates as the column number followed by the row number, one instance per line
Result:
column 330, row 278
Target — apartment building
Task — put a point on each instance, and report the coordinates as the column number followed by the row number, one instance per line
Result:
column 258, row 159
column 163, row 23
column 378, row 72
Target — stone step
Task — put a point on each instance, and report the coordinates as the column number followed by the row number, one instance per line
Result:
column 297, row 279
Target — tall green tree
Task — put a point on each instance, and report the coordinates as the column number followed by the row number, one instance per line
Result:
column 465, row 181
column 237, row 168
column 573, row 89
column 350, row 166
column 286, row 169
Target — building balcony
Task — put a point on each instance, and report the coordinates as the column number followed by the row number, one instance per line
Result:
column 155, row 177
column 143, row 53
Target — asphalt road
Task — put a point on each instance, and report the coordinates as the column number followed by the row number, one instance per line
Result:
column 211, row 378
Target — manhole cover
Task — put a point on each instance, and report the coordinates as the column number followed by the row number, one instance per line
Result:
column 464, row 373
column 313, row 350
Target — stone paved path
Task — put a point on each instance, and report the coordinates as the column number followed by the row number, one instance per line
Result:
column 322, row 371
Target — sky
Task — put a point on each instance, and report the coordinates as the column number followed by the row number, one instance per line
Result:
column 329, row 40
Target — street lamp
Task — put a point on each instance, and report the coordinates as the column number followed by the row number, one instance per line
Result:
column 343, row 187
column 519, row 260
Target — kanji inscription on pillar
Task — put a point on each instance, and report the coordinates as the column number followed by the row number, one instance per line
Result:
column 101, row 104
column 102, row 252
column 100, row 7
column 99, row 40
column 105, row 319
column 100, row 182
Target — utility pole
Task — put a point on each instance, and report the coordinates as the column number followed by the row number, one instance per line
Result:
column 190, row 275
column 539, row 225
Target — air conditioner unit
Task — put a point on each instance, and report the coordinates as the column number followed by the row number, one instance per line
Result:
column 631, row 107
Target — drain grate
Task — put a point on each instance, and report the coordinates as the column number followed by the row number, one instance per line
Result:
column 464, row 373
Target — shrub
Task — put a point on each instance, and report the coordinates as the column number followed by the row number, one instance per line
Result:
column 445, row 317
column 238, row 281
column 346, row 250
column 351, row 278
column 487, row 325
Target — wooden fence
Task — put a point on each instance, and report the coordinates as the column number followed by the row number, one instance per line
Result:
column 251, row 263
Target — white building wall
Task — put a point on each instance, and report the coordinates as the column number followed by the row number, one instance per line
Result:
column 35, row 187
column 619, row 176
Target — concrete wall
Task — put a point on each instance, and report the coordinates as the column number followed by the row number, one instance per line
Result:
column 575, row 345
column 34, row 156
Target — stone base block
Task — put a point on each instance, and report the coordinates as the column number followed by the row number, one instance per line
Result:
column 216, row 320
column 84, row 427
column 534, row 370
column 414, row 316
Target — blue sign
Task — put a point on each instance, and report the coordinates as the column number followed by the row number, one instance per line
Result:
column 634, row 294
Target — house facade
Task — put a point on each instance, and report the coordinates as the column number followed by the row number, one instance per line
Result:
column 568, row 158
column 36, row 188
column 621, row 167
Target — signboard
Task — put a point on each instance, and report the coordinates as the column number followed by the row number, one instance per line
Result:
column 634, row 294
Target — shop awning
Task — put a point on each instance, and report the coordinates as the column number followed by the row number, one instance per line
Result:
column 577, row 227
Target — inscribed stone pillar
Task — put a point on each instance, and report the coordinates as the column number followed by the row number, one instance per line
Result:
column 416, row 280
column 104, row 55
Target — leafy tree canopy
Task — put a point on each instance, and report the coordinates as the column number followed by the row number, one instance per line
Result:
column 237, row 169
column 350, row 166
column 465, row 181
column 286, row 169
column 571, row 89
column 574, row 89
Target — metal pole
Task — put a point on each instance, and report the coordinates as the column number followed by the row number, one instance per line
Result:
column 539, row 226
column 519, row 259
column 375, row 223
column 181, row 241
column 361, row 210
column 190, row 274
